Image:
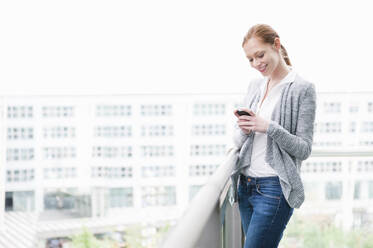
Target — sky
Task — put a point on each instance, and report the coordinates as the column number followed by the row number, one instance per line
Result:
column 84, row 47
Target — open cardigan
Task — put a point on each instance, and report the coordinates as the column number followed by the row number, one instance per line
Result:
column 289, row 141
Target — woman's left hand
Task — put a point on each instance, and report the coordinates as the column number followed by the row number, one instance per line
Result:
column 253, row 122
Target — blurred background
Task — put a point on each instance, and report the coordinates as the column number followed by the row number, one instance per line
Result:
column 114, row 114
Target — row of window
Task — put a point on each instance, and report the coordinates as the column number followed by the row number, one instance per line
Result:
column 23, row 175
column 203, row 109
column 20, row 154
column 320, row 167
column 111, row 172
column 334, row 166
column 113, row 110
column 113, row 131
column 336, row 107
column 66, row 152
column 202, row 169
column 334, row 190
column 158, row 196
column 156, row 110
column 151, row 196
column 157, row 151
column 158, row 171
column 59, row 132
column 208, row 129
column 20, row 133
column 157, row 130
column 207, row 150
column 112, row 152
column 58, row 111
column 20, row 111
column 20, row 175
column 327, row 143
column 60, row 173
column 328, row 127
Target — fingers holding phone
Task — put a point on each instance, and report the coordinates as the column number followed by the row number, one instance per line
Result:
column 244, row 116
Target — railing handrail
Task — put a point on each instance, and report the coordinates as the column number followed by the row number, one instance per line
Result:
column 190, row 226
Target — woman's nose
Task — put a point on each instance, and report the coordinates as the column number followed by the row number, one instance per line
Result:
column 256, row 62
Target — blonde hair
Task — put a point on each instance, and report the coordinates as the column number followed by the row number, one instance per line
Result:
column 266, row 34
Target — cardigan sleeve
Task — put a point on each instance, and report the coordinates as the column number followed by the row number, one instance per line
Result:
column 300, row 144
column 239, row 137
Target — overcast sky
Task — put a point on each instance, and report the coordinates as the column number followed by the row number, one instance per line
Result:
column 191, row 46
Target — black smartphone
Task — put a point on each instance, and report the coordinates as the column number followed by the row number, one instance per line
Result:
column 242, row 112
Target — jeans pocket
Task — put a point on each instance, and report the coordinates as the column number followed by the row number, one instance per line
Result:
column 270, row 191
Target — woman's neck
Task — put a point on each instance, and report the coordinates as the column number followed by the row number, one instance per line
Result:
column 278, row 74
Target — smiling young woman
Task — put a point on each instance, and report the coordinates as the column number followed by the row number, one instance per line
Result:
column 272, row 141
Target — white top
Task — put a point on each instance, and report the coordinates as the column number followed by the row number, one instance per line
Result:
column 259, row 167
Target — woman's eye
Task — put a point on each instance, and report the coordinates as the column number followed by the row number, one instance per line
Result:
column 261, row 55
column 251, row 60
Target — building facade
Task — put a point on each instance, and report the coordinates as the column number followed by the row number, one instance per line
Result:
column 142, row 158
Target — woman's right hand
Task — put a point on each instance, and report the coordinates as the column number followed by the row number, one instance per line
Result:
column 243, row 120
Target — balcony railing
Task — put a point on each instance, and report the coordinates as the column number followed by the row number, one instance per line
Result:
column 210, row 220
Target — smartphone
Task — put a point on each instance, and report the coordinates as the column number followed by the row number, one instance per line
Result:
column 242, row 112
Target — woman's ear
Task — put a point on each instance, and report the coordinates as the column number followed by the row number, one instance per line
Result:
column 277, row 44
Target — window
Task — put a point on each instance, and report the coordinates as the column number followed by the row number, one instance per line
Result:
column 120, row 197
column 60, row 199
column 207, row 109
column 352, row 128
column 202, row 169
column 58, row 111
column 329, row 127
column 333, row 190
column 157, row 151
column 112, row 152
column 19, row 154
column 357, row 190
column 158, row 196
column 113, row 110
column 113, row 131
column 156, row 110
column 20, row 112
column 20, row 201
column 20, row 175
column 60, row 173
column 64, row 152
column 20, row 133
column 208, row 130
column 332, row 107
column 370, row 107
column 370, row 189
column 59, row 132
column 158, row 171
column 207, row 150
column 364, row 166
column 110, row 172
column 367, row 127
column 322, row 167
column 157, row 130
column 354, row 108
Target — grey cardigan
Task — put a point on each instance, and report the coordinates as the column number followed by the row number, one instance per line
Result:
column 290, row 137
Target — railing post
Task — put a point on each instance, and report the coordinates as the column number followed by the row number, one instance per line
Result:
column 211, row 234
column 232, row 232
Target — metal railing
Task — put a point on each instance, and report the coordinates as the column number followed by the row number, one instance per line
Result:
column 210, row 221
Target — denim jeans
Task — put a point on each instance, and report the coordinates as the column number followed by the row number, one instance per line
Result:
column 264, row 211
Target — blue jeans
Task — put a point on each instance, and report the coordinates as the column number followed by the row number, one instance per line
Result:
column 264, row 211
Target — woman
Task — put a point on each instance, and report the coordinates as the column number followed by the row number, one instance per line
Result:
column 273, row 140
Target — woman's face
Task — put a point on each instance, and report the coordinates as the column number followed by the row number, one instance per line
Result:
column 262, row 56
